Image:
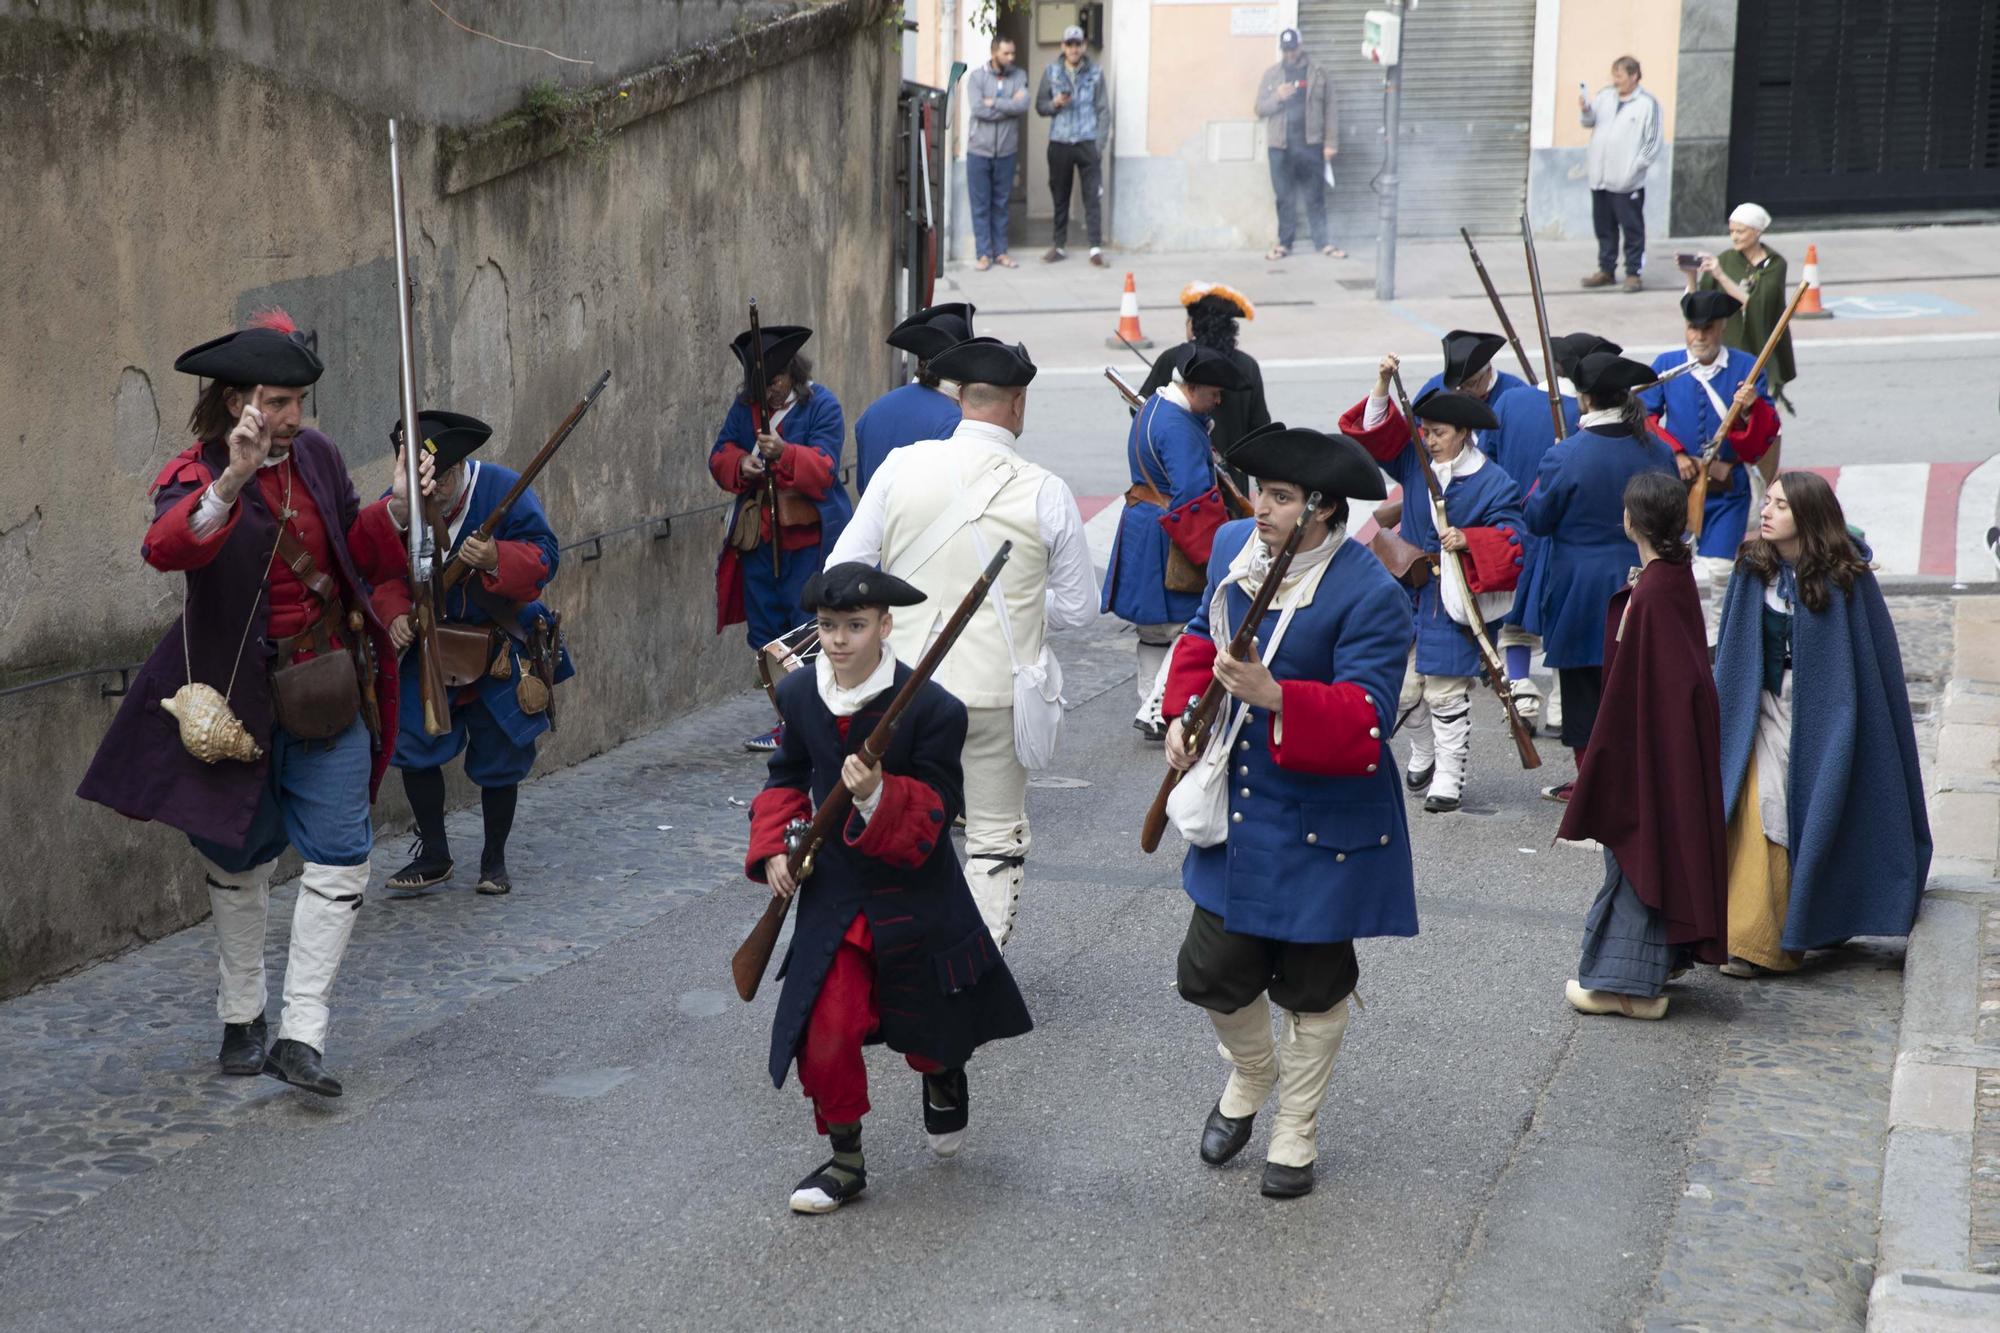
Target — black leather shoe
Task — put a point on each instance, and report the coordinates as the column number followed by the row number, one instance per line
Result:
column 243, row 1046
column 426, row 871
column 1419, row 781
column 1224, row 1136
column 1287, row 1182
column 1440, row 805
column 298, row 1064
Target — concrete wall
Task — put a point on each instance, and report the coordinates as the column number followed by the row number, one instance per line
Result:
column 167, row 176
column 1708, row 74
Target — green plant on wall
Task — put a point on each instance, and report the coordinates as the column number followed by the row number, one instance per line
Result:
column 985, row 15
column 571, row 115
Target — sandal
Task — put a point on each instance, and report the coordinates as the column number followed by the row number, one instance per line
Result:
column 829, row 1187
column 1006, row 261
column 982, row 263
column 1333, row 252
column 1277, row 252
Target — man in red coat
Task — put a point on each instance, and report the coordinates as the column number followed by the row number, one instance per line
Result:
column 262, row 519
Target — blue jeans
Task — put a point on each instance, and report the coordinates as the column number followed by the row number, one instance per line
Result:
column 315, row 798
column 989, row 181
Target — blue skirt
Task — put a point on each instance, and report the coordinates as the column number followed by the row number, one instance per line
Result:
column 1625, row 949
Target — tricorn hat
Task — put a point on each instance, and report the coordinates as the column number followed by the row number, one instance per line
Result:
column 1707, row 307
column 1606, row 371
column 851, row 585
column 1205, row 365
column 1466, row 354
column 1455, row 409
column 781, row 343
column 933, row 329
column 449, row 437
column 985, row 361
column 1572, row 348
column 1330, row 464
column 270, row 350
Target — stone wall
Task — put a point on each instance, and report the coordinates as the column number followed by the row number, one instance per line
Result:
column 173, row 167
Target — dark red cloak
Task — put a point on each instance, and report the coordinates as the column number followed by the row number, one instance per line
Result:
column 1650, row 788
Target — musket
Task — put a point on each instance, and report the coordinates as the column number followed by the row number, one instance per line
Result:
column 1231, row 492
column 1201, row 711
column 760, row 396
column 802, row 839
column 1500, row 311
column 456, row 569
column 1698, row 491
column 1542, row 324
column 1452, row 570
column 423, row 546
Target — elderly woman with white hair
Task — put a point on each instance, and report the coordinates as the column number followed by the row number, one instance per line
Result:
column 1754, row 274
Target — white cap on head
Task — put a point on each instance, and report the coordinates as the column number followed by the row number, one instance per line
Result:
column 1750, row 215
column 1072, row 34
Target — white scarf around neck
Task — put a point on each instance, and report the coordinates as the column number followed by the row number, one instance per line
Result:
column 843, row 702
column 1604, row 416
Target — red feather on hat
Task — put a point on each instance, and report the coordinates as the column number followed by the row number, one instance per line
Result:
column 275, row 318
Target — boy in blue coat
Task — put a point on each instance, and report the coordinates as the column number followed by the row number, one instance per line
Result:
column 1314, row 851
column 497, row 716
column 1691, row 407
column 1172, row 510
column 793, row 438
column 922, row 409
column 1483, row 516
column 889, row 946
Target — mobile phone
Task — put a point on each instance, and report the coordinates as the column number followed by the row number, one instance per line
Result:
column 1685, row 260
column 1582, row 88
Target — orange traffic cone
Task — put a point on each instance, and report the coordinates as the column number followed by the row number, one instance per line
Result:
column 1128, row 334
column 1809, row 308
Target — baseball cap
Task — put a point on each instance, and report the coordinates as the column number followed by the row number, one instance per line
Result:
column 1288, row 40
column 1072, row 34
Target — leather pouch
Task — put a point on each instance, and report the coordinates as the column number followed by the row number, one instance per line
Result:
column 464, row 652
column 318, row 698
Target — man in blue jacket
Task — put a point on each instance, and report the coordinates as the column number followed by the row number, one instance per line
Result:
column 1072, row 94
column 922, row 409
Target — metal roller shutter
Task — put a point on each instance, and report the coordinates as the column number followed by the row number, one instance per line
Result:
column 1842, row 106
column 1466, row 92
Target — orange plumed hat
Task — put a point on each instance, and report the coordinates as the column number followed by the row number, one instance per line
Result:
column 1197, row 291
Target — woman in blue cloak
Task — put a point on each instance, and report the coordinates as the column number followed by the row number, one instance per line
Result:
column 1828, row 836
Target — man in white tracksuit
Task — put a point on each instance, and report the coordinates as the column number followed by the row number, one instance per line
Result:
column 1624, row 125
column 913, row 523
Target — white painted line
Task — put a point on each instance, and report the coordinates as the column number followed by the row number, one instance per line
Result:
column 1976, row 501
column 1886, row 501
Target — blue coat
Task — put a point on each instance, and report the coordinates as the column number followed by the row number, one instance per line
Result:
column 1684, row 409
column 1525, row 437
column 525, row 522
column 1167, row 447
column 1859, row 838
column 901, row 416
column 1578, row 505
column 1486, row 499
column 1309, row 858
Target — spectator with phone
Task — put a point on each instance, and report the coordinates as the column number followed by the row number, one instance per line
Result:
column 1754, row 274
column 1302, row 131
column 1625, row 132
column 1073, row 95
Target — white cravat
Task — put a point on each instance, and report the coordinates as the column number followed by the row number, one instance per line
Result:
column 844, row 702
column 1604, row 416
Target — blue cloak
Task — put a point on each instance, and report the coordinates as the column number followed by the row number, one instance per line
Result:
column 1859, row 837
column 1167, row 447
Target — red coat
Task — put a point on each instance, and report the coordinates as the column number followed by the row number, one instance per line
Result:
column 1650, row 788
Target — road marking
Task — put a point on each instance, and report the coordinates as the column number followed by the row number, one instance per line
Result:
column 1977, row 496
column 1908, row 305
column 1886, row 501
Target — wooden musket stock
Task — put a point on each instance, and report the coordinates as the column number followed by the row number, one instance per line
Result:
column 760, row 408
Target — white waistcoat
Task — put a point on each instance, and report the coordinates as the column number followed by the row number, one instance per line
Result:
column 928, row 478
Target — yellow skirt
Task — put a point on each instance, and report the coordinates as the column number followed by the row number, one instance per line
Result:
column 1760, row 884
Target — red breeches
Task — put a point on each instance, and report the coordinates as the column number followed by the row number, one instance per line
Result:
column 831, row 1070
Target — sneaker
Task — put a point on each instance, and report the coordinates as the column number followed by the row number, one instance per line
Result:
column 1633, row 283
column 767, row 742
column 1599, row 279
column 1096, row 257
column 1055, row 255
column 1559, row 793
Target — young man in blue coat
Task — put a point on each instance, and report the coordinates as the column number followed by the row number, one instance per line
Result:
column 1469, row 369
column 496, row 717
column 1578, row 509
column 1483, row 525
column 1171, row 513
column 889, row 945
column 923, row 409
column 1314, row 852
column 794, row 438
column 1527, row 432
column 1691, row 408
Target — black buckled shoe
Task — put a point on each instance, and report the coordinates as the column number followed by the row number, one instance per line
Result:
column 494, row 881
column 298, row 1064
column 1224, row 1136
column 1286, row 1182
column 243, row 1046
column 1419, row 780
column 947, row 1110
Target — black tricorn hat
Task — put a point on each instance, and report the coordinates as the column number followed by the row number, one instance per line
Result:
column 271, row 351
column 932, row 329
column 1330, row 464
column 851, row 585
column 1707, row 307
column 1205, row 365
column 1606, row 371
column 1466, row 354
column 449, row 437
column 1455, row 409
column 1572, row 348
column 985, row 361
column 781, row 343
